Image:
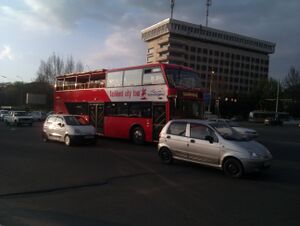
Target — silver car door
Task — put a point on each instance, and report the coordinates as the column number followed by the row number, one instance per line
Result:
column 176, row 139
column 59, row 128
column 200, row 149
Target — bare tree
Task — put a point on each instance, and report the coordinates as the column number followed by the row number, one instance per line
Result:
column 70, row 65
column 55, row 66
column 79, row 67
column 292, row 79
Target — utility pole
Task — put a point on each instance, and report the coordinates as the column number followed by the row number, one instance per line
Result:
column 172, row 7
column 208, row 4
column 277, row 98
column 210, row 90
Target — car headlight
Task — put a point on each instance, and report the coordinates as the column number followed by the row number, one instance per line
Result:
column 255, row 155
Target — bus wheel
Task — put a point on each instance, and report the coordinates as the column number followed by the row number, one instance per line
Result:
column 138, row 135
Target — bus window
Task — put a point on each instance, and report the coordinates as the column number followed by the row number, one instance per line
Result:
column 183, row 78
column 59, row 85
column 133, row 77
column 116, row 109
column 114, row 79
column 77, row 108
column 70, row 83
column 153, row 76
column 139, row 110
column 82, row 82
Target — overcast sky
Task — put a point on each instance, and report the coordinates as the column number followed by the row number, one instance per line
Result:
column 106, row 33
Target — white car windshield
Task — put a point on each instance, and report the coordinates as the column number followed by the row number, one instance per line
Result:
column 21, row 113
column 227, row 132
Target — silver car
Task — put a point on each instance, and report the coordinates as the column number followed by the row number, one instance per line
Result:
column 69, row 129
column 212, row 144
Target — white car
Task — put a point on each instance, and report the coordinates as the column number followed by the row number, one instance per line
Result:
column 3, row 113
column 251, row 133
column 18, row 118
column 69, row 129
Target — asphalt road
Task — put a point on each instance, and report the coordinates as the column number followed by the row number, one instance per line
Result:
column 118, row 183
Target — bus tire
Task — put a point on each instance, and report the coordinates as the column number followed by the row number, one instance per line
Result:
column 138, row 135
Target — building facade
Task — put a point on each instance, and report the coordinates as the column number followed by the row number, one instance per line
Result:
column 227, row 62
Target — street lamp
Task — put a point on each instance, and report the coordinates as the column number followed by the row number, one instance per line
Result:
column 210, row 90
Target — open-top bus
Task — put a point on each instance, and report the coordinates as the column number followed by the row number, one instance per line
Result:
column 134, row 102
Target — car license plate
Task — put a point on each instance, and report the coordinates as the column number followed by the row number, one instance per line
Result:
column 89, row 137
column 267, row 164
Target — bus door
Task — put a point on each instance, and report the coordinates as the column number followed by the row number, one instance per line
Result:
column 159, row 118
column 96, row 113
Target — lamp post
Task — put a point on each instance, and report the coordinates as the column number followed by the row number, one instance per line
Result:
column 210, row 90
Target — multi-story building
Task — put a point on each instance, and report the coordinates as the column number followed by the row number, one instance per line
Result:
column 233, row 63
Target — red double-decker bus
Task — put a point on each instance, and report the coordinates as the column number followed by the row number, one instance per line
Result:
column 134, row 102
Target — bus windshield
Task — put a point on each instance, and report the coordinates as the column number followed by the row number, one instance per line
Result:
column 183, row 78
column 186, row 109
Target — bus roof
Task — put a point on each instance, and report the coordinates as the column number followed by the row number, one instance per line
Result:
column 96, row 72
column 102, row 71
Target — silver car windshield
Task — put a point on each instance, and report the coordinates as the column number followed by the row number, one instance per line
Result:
column 227, row 132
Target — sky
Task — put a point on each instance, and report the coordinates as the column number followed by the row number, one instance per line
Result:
column 106, row 33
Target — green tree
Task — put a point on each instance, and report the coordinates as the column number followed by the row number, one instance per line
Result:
column 264, row 94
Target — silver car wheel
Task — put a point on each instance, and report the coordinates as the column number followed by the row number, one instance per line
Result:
column 166, row 156
column 67, row 140
column 233, row 168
